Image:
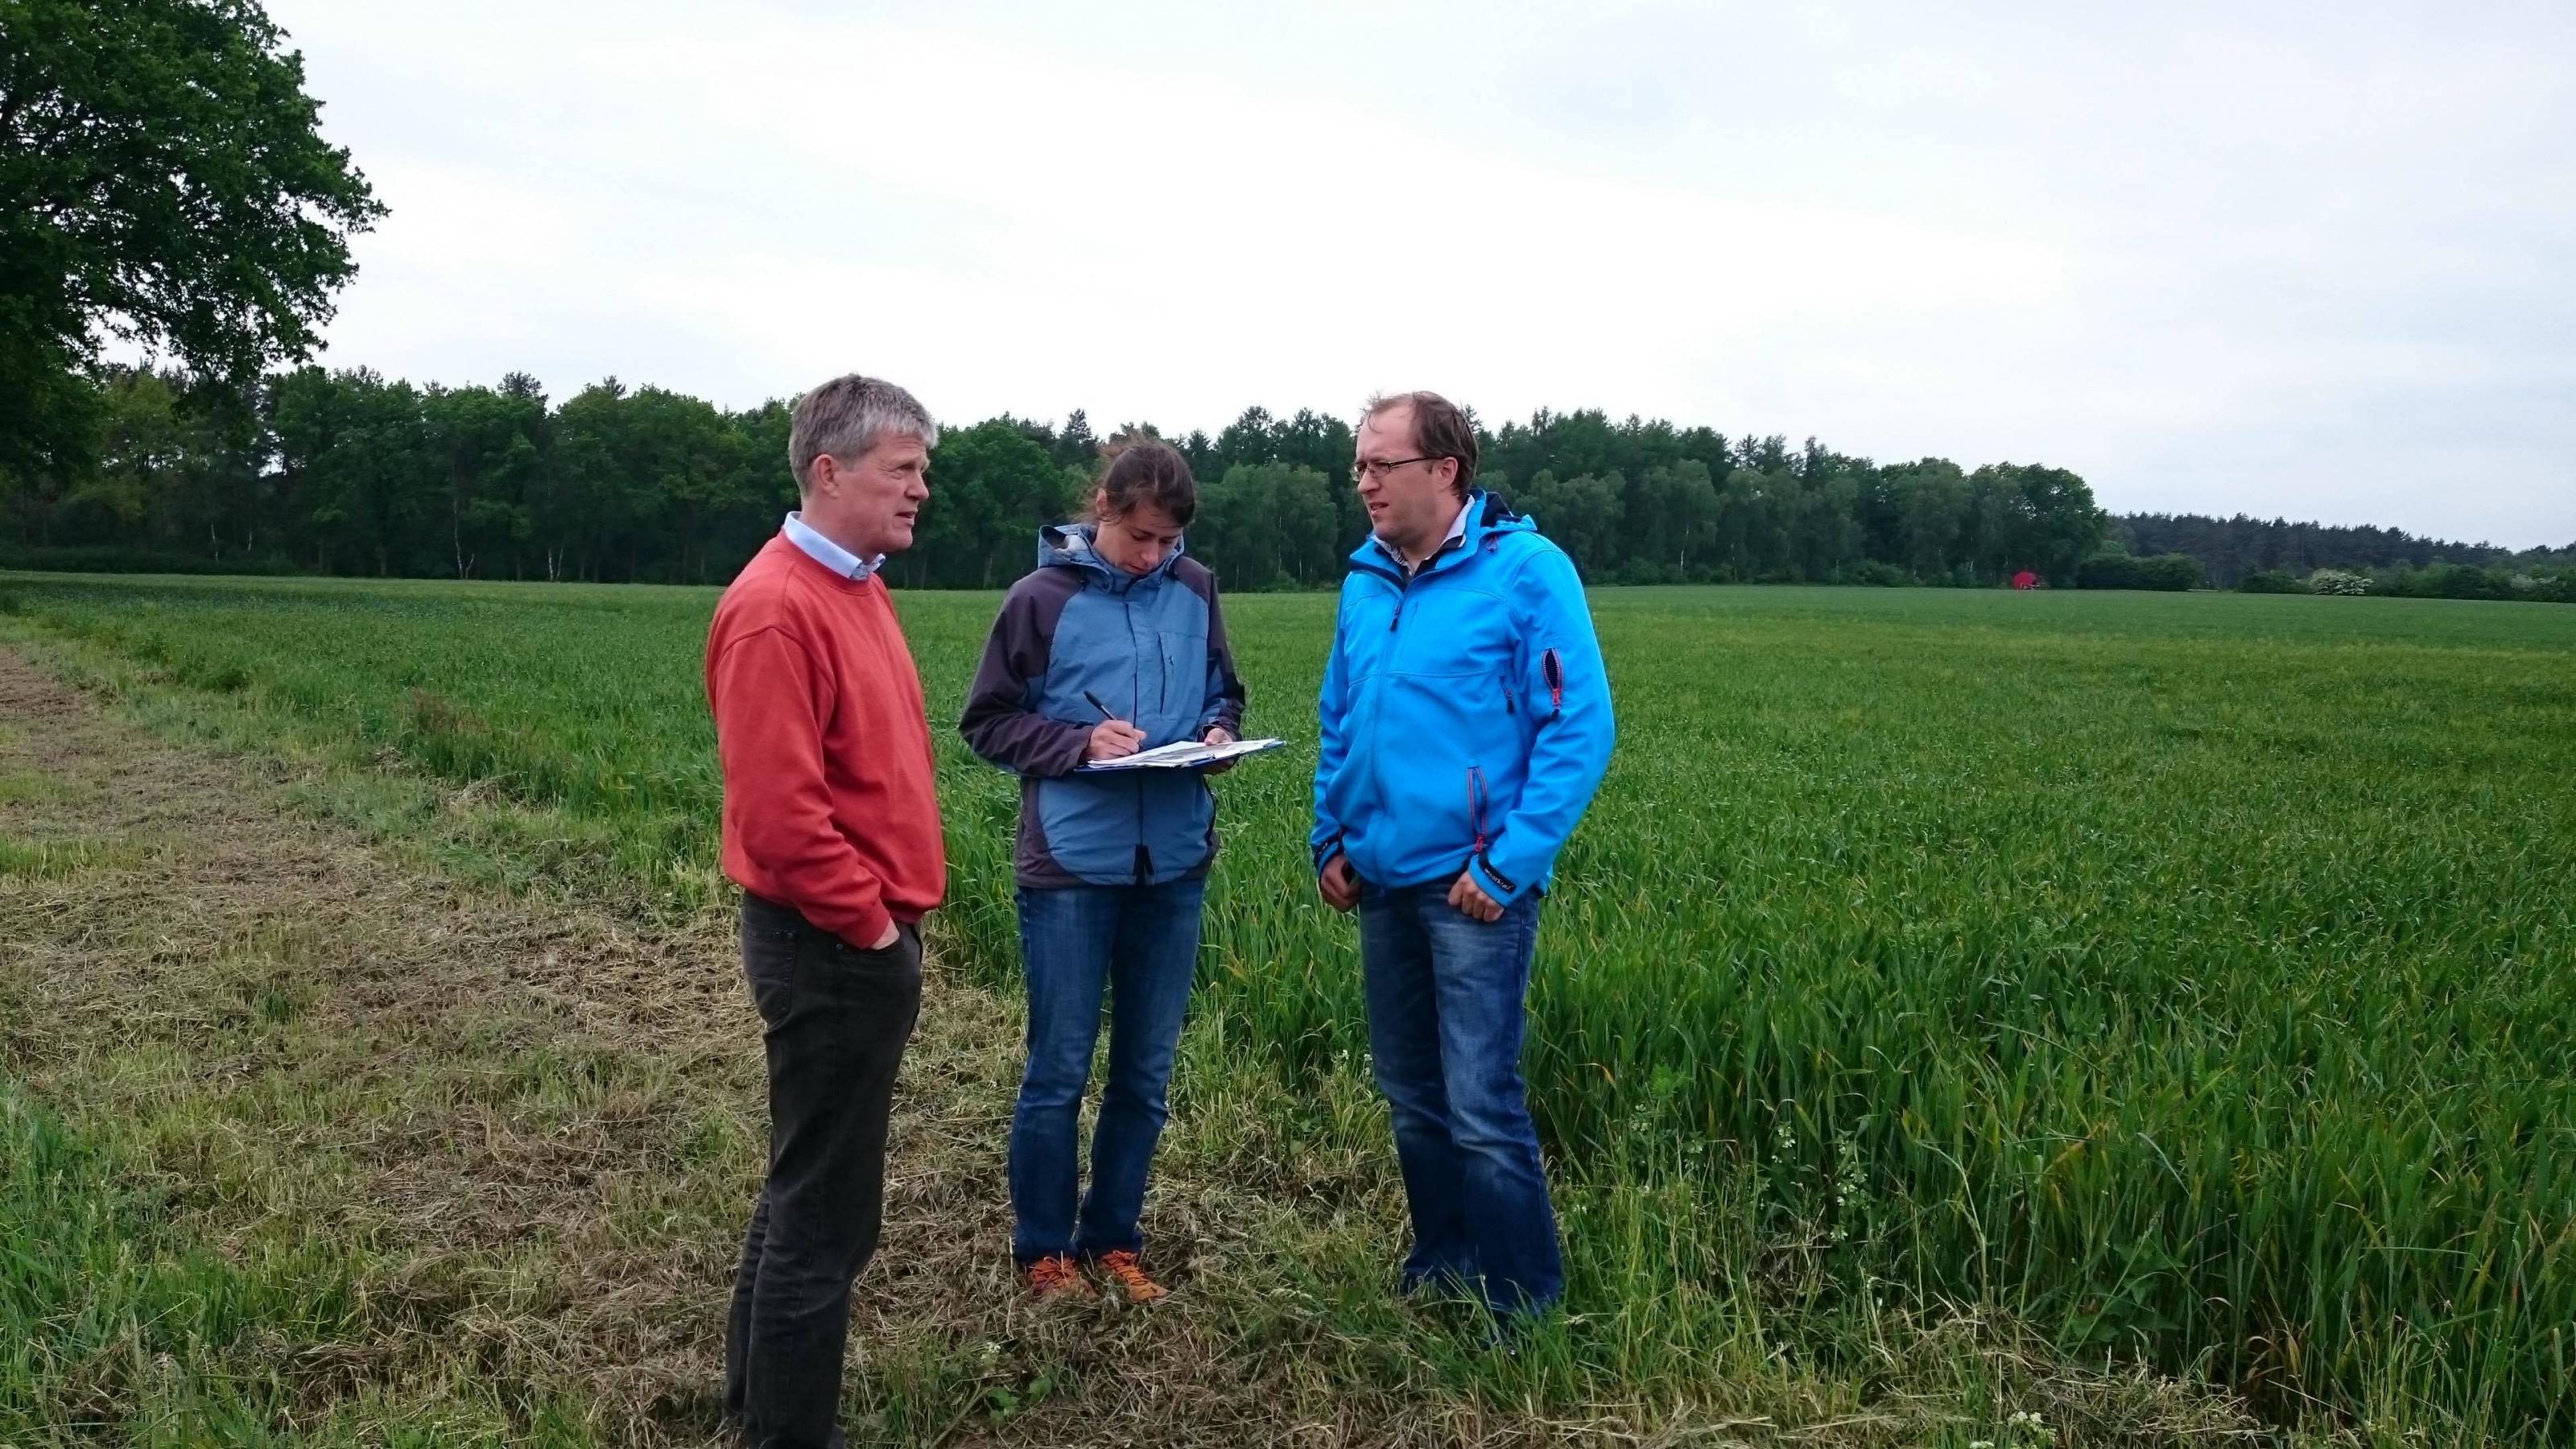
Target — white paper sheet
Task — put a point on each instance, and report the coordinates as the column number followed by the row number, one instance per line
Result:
column 1182, row 755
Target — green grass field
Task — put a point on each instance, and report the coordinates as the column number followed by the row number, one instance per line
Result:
column 2185, row 977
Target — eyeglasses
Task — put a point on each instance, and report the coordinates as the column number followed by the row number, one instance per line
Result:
column 1380, row 467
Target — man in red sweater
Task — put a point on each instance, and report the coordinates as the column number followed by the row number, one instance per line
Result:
column 831, row 828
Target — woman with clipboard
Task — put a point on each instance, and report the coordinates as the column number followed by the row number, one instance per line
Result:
column 1113, row 645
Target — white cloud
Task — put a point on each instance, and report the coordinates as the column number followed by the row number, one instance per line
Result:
column 2305, row 265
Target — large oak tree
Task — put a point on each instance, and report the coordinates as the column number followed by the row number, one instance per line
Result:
column 163, row 180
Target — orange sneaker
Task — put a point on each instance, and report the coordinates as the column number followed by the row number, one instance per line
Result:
column 1055, row 1276
column 1129, row 1275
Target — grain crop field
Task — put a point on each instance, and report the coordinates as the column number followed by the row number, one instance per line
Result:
column 2186, row 979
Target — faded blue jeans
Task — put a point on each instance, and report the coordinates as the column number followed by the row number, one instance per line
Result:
column 1445, row 996
column 1140, row 943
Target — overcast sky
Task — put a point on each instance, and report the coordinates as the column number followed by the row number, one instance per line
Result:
column 2315, row 261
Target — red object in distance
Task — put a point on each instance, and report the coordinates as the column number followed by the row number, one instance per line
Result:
column 2025, row 580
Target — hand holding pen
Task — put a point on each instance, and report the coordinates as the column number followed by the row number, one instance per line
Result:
column 1113, row 738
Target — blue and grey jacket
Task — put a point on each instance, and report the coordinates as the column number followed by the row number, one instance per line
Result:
column 1149, row 646
column 1466, row 720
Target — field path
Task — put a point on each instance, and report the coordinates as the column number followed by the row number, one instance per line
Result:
column 187, row 898
column 532, row 1127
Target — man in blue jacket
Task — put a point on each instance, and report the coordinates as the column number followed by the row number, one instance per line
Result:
column 1466, row 723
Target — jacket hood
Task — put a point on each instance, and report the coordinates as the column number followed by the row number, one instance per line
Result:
column 1069, row 545
column 1487, row 514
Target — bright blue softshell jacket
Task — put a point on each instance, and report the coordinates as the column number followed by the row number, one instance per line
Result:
column 1466, row 719
column 1152, row 647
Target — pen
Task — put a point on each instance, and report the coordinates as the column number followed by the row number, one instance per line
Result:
column 1096, row 704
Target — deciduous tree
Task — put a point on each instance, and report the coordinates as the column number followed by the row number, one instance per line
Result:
column 163, row 180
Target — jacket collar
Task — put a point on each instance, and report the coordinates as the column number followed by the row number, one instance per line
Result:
column 1069, row 545
column 1486, row 514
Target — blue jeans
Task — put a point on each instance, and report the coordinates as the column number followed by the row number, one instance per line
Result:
column 1445, row 1017
column 1142, row 944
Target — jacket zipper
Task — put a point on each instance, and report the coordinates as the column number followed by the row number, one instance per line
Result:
column 1477, row 800
column 1144, row 857
column 1403, row 585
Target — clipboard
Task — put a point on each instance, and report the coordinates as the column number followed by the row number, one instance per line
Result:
column 1180, row 755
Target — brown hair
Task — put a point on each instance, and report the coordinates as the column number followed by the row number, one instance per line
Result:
column 1141, row 468
column 1441, row 429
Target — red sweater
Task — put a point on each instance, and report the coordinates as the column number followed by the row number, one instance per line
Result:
column 825, row 746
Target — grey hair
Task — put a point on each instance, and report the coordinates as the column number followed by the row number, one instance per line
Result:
column 849, row 415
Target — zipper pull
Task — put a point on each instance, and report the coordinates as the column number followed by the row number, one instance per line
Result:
column 1507, row 700
column 1397, row 617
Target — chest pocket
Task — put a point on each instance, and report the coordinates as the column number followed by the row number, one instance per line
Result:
column 1184, row 669
column 1366, row 635
column 1448, row 630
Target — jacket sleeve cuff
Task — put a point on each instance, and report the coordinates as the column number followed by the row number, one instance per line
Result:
column 1029, row 744
column 1325, row 849
column 1067, row 746
column 1503, row 889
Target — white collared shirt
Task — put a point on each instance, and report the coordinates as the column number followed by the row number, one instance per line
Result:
column 1457, row 531
column 827, row 553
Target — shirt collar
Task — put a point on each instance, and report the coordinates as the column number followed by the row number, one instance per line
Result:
column 1457, row 531
column 827, row 553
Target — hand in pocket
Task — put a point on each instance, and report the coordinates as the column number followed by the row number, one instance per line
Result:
column 1470, row 898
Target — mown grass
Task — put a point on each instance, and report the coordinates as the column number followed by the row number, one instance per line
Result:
column 114, row 1327
column 2183, row 977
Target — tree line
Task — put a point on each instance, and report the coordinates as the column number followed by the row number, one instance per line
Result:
column 2231, row 548
column 349, row 472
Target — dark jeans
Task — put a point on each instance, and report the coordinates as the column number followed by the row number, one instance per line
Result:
column 1445, row 1016
column 1141, row 943
column 837, row 1019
